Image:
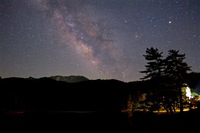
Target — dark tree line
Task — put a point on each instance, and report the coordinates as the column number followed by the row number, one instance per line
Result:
column 168, row 74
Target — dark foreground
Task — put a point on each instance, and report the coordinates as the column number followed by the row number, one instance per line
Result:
column 100, row 121
column 66, row 121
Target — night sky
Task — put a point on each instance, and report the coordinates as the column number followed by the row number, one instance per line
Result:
column 98, row 39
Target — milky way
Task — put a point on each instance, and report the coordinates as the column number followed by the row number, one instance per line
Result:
column 99, row 39
column 87, row 36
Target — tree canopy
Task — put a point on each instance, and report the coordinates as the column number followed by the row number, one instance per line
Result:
column 168, row 73
column 171, row 66
column 154, row 67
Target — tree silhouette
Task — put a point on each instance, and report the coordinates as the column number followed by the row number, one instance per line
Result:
column 175, row 71
column 154, row 67
column 175, row 65
column 166, row 74
column 154, row 71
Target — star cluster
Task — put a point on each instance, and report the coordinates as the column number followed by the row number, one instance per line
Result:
column 94, row 38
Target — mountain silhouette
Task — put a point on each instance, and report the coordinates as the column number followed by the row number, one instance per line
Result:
column 69, row 79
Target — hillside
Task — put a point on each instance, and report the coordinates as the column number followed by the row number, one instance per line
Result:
column 69, row 79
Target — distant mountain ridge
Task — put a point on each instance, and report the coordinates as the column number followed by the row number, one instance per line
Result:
column 69, row 79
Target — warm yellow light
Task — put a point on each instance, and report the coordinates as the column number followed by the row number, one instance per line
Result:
column 188, row 93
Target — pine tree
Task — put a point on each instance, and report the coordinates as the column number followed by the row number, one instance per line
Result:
column 154, row 72
column 154, row 67
column 175, row 70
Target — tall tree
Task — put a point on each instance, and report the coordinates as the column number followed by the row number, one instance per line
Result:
column 175, row 70
column 154, row 72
